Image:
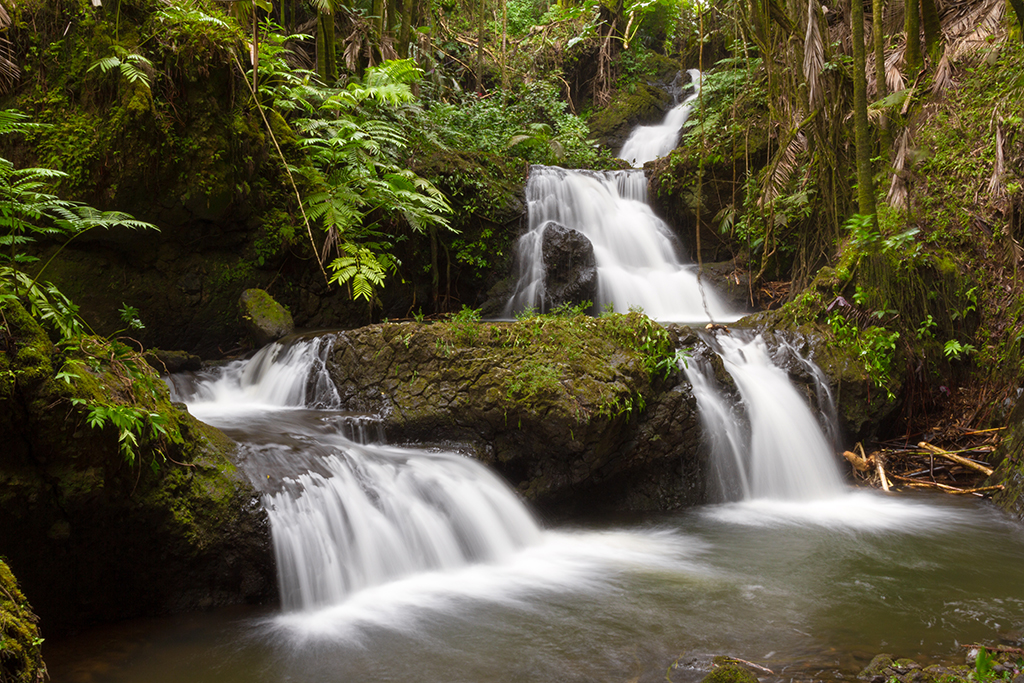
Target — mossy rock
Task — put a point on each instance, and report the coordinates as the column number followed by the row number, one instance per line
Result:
column 264, row 319
column 566, row 408
column 1010, row 471
column 21, row 659
column 730, row 673
column 94, row 535
column 646, row 104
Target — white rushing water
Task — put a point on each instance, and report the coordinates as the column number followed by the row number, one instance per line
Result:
column 348, row 516
column 647, row 143
column 638, row 265
column 404, row 564
column 776, row 449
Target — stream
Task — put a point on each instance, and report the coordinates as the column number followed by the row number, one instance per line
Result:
column 808, row 586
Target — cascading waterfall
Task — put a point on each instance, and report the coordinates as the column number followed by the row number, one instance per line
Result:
column 635, row 251
column 647, row 143
column 384, row 513
column 345, row 516
column 786, row 455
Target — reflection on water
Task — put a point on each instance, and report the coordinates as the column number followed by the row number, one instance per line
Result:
column 799, row 588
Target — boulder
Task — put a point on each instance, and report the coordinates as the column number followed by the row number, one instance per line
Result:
column 563, row 407
column 264, row 319
column 569, row 266
column 1010, row 470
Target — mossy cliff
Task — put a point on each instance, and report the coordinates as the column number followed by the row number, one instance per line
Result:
column 20, row 658
column 571, row 410
column 93, row 536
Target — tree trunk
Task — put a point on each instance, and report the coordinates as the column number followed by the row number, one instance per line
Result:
column 862, row 133
column 912, row 27
column 877, row 8
column 480, row 47
column 405, row 33
column 326, row 60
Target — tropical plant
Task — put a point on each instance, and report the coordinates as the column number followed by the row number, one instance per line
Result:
column 29, row 212
column 131, row 66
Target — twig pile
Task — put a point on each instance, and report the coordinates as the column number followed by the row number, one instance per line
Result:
column 959, row 467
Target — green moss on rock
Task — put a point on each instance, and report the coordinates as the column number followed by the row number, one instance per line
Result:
column 730, row 673
column 264, row 319
column 21, row 659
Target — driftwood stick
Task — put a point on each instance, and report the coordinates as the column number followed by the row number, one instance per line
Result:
column 945, row 487
column 881, row 474
column 955, row 458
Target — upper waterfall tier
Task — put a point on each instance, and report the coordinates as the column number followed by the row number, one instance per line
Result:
column 636, row 254
column 647, row 143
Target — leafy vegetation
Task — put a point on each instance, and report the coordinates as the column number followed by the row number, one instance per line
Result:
column 28, row 213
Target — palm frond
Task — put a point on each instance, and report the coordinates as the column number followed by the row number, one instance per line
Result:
column 898, row 195
column 814, row 55
column 995, row 183
column 943, row 74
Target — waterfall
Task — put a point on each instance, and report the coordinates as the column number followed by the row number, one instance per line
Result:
column 777, row 449
column 384, row 513
column 345, row 515
column 647, row 143
column 635, row 251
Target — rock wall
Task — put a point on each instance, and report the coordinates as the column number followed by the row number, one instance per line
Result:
column 93, row 537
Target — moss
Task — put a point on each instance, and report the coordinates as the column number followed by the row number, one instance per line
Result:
column 730, row 673
column 21, row 658
column 645, row 104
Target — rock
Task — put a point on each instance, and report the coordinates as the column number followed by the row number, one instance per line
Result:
column 571, row 421
column 95, row 537
column 166, row 362
column 264, row 319
column 730, row 673
column 1010, row 471
column 569, row 266
column 21, row 659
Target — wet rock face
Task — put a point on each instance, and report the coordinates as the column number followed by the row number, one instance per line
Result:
column 609, row 437
column 1010, row 469
column 570, row 267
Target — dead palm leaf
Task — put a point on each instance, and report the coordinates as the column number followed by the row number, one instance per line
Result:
column 995, row 183
column 814, row 55
column 943, row 74
column 893, row 76
column 974, row 27
column 898, row 194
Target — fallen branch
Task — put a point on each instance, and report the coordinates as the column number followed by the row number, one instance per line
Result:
column 881, row 474
column 987, row 471
column 946, row 487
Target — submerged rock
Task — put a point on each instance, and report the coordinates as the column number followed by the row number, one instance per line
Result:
column 264, row 319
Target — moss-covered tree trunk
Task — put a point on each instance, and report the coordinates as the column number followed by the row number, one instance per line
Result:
column 862, row 133
column 326, row 57
column 912, row 27
column 878, row 42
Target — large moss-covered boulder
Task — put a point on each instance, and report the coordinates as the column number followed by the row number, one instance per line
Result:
column 264, row 319
column 645, row 104
column 21, row 660
column 572, row 410
column 96, row 530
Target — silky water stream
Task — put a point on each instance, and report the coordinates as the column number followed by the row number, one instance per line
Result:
column 399, row 564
